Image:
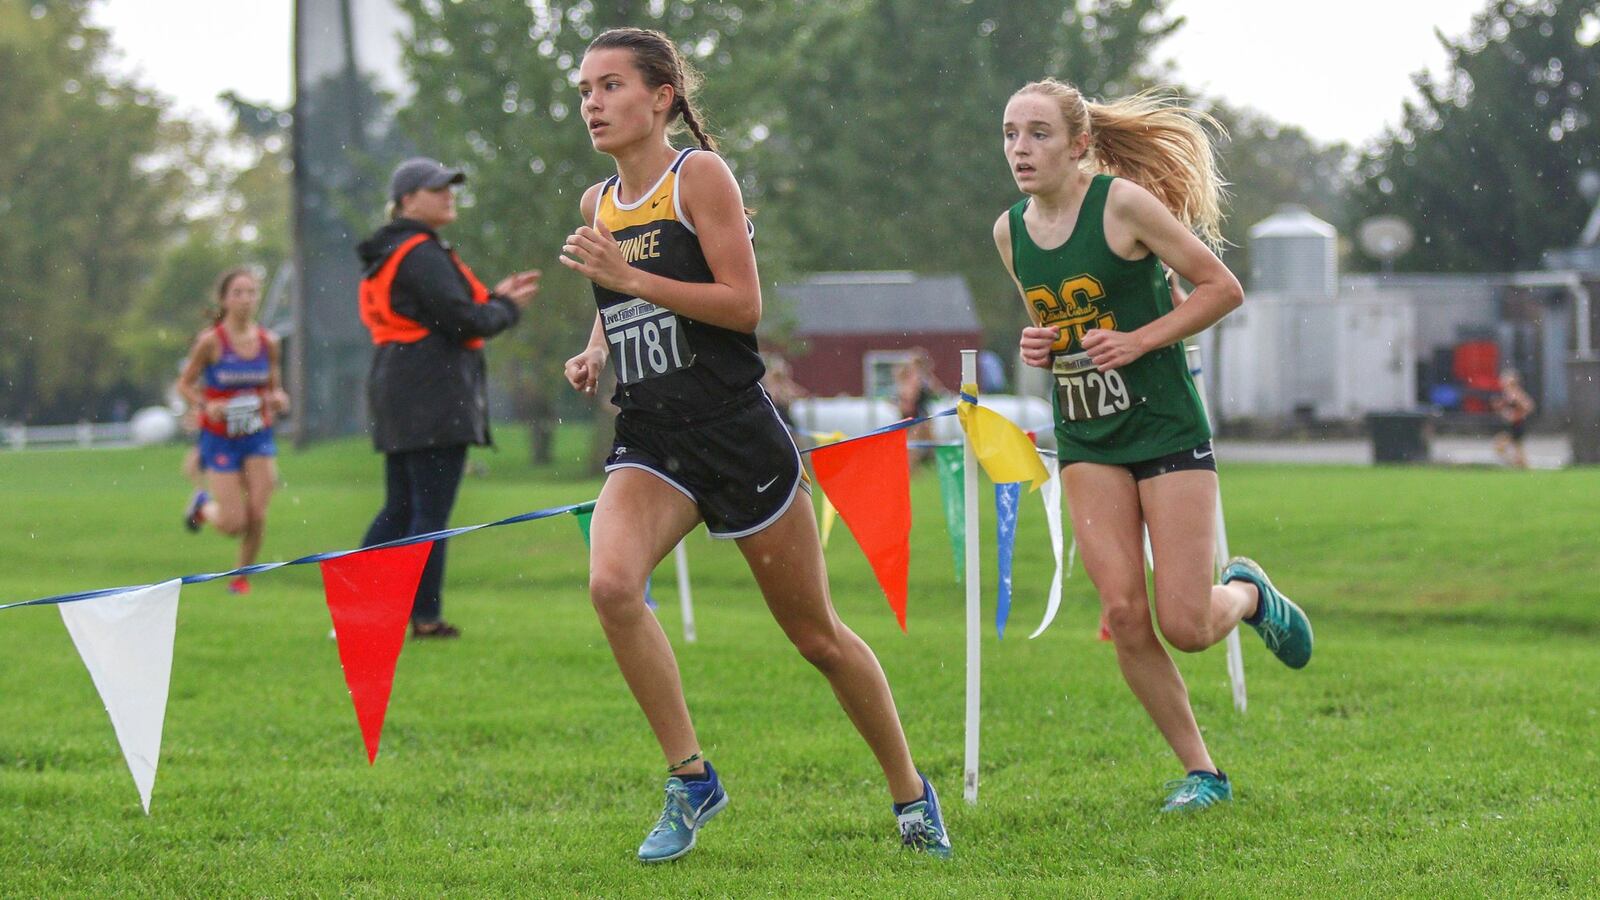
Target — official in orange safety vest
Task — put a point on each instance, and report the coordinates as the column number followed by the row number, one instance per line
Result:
column 427, row 392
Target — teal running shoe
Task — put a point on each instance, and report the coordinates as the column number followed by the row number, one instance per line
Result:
column 1197, row 791
column 1281, row 624
column 922, row 824
column 690, row 804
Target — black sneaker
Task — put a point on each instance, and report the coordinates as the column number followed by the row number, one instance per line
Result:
column 440, row 630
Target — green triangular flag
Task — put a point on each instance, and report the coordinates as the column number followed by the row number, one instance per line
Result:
column 584, row 513
column 951, row 465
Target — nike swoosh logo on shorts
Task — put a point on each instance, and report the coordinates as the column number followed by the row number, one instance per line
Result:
column 763, row 488
column 1199, row 455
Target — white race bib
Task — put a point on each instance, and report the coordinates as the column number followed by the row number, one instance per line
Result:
column 1084, row 393
column 244, row 415
column 646, row 341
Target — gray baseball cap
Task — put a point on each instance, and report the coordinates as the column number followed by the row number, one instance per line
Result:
column 420, row 172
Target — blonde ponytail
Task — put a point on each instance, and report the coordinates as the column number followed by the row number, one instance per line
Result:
column 1155, row 141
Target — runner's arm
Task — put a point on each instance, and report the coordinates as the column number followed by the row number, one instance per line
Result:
column 202, row 354
column 1216, row 292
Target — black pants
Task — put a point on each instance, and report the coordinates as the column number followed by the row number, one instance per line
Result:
column 420, row 488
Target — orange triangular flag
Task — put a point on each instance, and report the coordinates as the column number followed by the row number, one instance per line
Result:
column 369, row 596
column 869, row 482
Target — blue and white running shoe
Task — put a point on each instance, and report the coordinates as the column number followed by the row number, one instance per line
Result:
column 922, row 824
column 690, row 804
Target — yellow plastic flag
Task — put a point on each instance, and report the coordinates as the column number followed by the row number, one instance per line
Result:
column 829, row 514
column 1002, row 448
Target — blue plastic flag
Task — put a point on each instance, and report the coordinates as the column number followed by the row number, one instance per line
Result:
column 1006, row 498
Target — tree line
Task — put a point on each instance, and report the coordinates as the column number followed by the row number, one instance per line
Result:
column 864, row 133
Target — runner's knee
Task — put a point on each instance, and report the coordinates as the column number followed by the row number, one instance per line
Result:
column 1185, row 616
column 822, row 648
column 1127, row 615
column 1186, row 635
column 619, row 601
column 231, row 522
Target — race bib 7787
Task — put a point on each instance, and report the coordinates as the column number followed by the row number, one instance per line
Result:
column 646, row 341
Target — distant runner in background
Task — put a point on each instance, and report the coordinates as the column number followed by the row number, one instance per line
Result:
column 1514, row 406
column 233, row 378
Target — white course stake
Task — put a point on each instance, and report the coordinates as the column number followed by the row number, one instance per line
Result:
column 681, row 559
column 969, row 376
column 1235, row 653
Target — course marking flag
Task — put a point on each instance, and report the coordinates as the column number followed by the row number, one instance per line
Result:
column 949, row 461
column 1007, row 497
column 869, row 482
column 1051, row 495
column 369, row 597
column 125, row 641
column 1002, row 448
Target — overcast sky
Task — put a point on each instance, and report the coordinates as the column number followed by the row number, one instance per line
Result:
column 1338, row 71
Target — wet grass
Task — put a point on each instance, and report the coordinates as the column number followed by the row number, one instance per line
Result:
column 1442, row 742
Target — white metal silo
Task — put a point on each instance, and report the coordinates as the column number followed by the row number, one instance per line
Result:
column 1294, row 280
column 1293, row 252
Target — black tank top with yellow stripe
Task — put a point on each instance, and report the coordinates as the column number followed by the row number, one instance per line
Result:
column 667, row 364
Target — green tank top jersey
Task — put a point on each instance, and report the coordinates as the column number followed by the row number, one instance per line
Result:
column 1141, row 411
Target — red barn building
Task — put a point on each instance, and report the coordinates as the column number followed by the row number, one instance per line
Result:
column 850, row 329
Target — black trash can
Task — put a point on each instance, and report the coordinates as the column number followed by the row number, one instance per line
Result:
column 1398, row 437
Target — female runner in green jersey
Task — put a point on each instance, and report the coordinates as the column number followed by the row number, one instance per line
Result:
column 1114, row 191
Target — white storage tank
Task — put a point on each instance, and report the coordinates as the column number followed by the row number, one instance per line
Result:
column 1293, row 252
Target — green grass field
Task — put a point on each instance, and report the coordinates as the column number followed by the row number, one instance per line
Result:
column 1442, row 742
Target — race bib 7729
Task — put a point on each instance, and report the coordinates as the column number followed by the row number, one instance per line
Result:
column 1084, row 392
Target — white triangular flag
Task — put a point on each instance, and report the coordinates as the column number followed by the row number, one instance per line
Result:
column 126, row 643
column 1051, row 495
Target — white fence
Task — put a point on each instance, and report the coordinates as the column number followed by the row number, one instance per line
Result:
column 83, row 434
column 151, row 425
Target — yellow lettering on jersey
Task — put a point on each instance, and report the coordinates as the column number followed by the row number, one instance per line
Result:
column 642, row 246
column 1075, row 308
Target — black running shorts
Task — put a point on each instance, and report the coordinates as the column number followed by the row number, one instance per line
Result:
column 739, row 467
column 1200, row 458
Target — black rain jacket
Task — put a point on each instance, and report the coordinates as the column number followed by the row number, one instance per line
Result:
column 434, row 392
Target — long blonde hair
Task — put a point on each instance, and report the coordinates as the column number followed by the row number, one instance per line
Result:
column 1153, row 140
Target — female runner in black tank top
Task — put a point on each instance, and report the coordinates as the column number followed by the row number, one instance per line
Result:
column 697, row 401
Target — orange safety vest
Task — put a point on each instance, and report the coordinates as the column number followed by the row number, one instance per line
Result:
column 388, row 326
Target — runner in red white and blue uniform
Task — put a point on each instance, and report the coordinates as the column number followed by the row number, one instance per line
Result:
column 233, row 378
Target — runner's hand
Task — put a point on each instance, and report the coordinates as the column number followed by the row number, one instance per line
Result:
column 520, row 288
column 583, row 370
column 216, row 410
column 1111, row 349
column 596, row 255
column 280, row 401
column 1036, row 343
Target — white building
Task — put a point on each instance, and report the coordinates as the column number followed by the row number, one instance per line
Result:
column 1306, row 345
